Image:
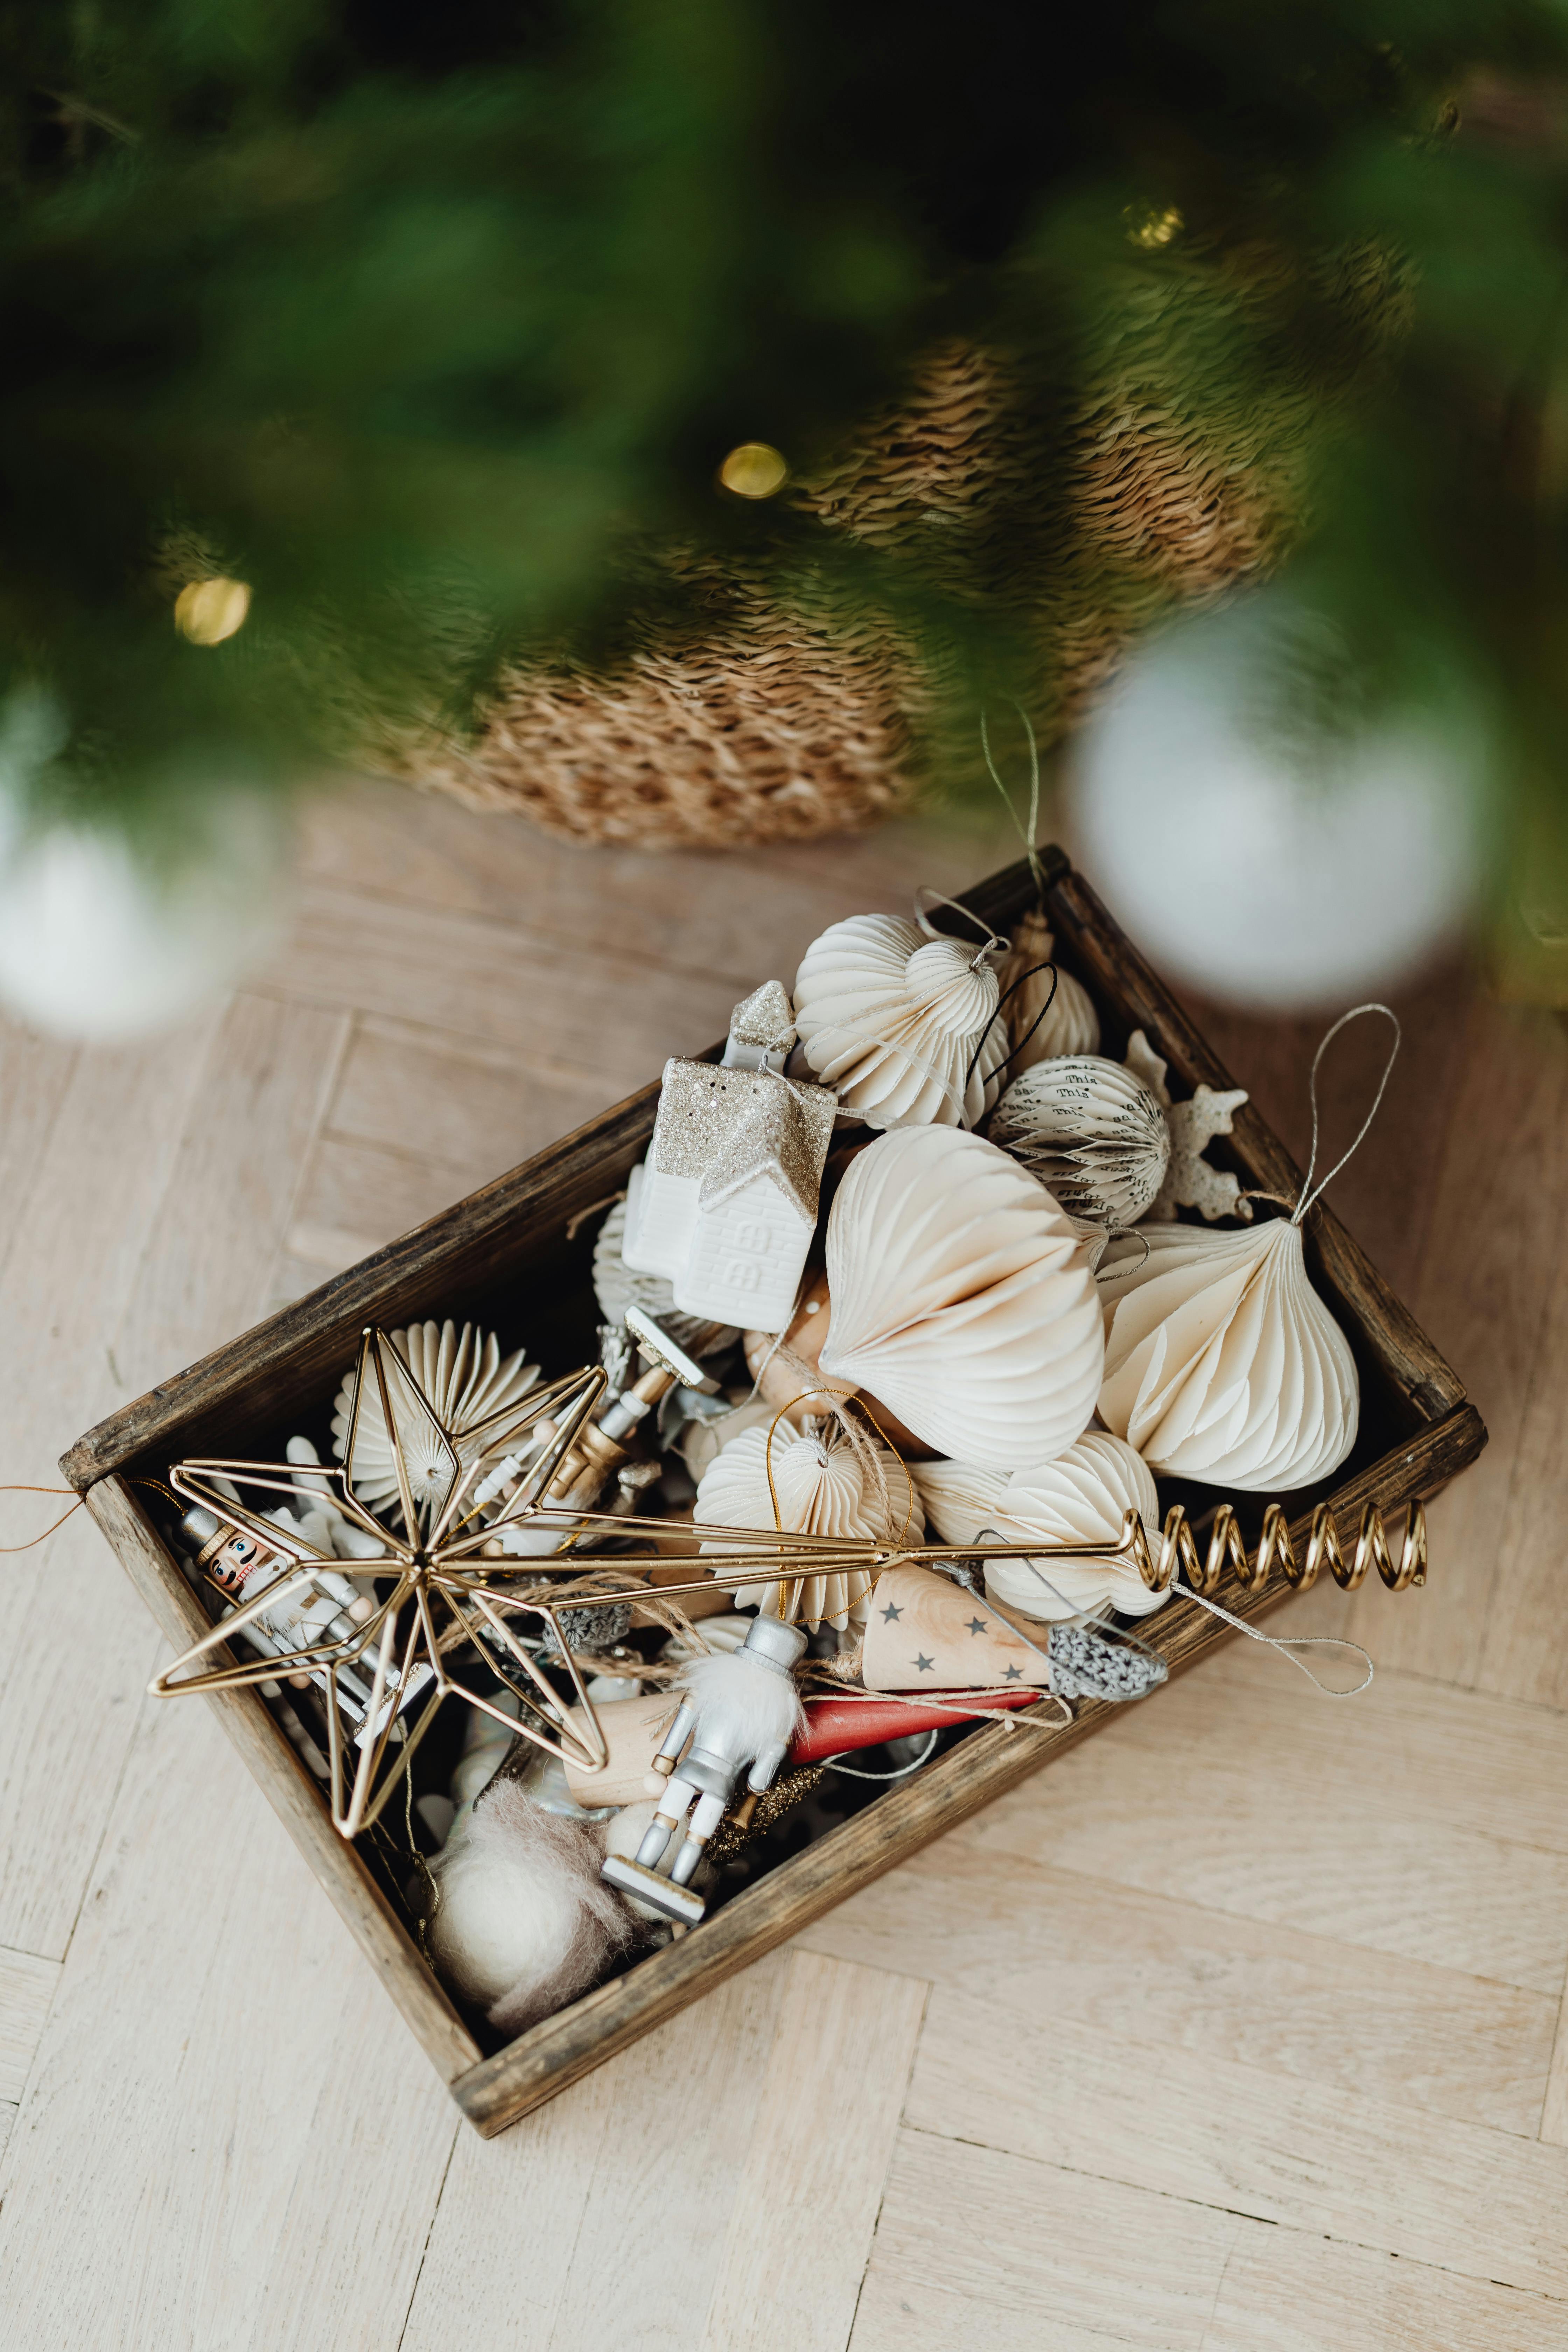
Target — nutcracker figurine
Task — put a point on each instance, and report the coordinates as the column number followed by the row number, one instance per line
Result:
column 738, row 1709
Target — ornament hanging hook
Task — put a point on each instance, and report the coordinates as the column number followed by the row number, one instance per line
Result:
column 991, row 941
column 1030, row 838
column 1309, row 1194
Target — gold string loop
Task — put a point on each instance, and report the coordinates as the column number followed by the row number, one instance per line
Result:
column 33, row 1541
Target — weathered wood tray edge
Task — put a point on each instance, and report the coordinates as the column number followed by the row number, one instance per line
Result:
column 305, row 1342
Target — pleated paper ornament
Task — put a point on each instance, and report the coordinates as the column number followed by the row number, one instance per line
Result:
column 1081, row 1497
column 901, row 1025
column 835, row 1483
column 468, row 1382
column 1043, row 1022
column 1089, row 1131
column 961, row 1297
column 1222, row 1362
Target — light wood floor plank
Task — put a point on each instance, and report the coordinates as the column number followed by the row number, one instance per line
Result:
column 355, row 1197
column 1203, row 1796
column 76, row 1645
column 1555, row 2106
column 995, row 2253
column 378, row 2146
column 687, row 909
column 35, row 1076
column 26, row 1989
column 1489, row 1765
column 223, row 2107
column 800, row 2228
column 1053, row 1943
column 600, row 2220
column 1524, row 1649
column 593, row 1005
column 404, row 1088
column 1245, row 2141
column 1283, row 2291
column 232, row 1189
column 1486, row 1295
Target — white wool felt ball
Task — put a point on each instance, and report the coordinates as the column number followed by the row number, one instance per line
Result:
column 524, row 1922
column 98, row 943
column 1255, row 854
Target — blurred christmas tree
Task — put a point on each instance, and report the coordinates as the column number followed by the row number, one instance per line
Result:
column 428, row 331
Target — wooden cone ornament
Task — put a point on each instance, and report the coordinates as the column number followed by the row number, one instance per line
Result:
column 925, row 1632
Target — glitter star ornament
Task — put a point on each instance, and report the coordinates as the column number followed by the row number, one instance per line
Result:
column 456, row 1488
column 1190, row 1183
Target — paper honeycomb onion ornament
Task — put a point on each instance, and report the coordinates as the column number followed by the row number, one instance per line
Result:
column 1042, row 1020
column 1092, row 1131
column 962, row 1299
column 466, row 1380
column 904, row 1026
column 824, row 1485
column 1222, row 1362
column 1083, row 1496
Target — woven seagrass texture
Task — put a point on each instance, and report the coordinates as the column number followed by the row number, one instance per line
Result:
column 773, row 727
column 1071, row 528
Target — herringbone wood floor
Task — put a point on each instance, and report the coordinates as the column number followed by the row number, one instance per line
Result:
column 1235, row 2030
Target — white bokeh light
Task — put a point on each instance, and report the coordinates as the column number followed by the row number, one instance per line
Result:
column 1262, row 863
column 101, row 943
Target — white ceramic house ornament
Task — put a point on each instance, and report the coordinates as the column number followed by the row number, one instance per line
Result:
column 725, row 1204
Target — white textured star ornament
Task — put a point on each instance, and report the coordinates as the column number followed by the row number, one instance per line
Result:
column 1190, row 1183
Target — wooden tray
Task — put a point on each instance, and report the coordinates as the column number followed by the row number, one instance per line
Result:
column 505, row 1252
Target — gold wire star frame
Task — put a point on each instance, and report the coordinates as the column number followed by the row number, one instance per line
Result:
column 440, row 1599
column 498, row 1473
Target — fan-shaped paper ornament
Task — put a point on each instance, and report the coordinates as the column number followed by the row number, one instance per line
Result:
column 1222, row 1362
column 894, row 1020
column 962, row 1298
column 1081, row 1497
column 1089, row 1131
column 1042, row 1023
column 466, row 1380
column 826, row 1485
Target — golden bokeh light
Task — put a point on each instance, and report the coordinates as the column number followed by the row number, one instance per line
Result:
column 754, row 470
column 1152, row 229
column 208, row 611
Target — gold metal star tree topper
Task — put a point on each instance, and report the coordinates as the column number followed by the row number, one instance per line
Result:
column 527, row 1471
column 381, row 1661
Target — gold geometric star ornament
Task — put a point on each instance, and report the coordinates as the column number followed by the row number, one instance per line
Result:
column 475, row 1481
column 440, row 1598
column 495, row 1475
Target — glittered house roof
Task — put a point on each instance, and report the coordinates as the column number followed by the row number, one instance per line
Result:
column 725, row 1126
column 761, row 1024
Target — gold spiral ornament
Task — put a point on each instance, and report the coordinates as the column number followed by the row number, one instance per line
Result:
column 1178, row 1550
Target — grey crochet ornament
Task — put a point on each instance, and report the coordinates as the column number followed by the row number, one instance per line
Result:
column 1085, row 1666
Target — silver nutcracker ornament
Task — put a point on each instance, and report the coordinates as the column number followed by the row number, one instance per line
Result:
column 738, row 1710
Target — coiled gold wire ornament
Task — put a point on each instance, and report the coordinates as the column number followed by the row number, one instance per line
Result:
column 1179, row 1551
